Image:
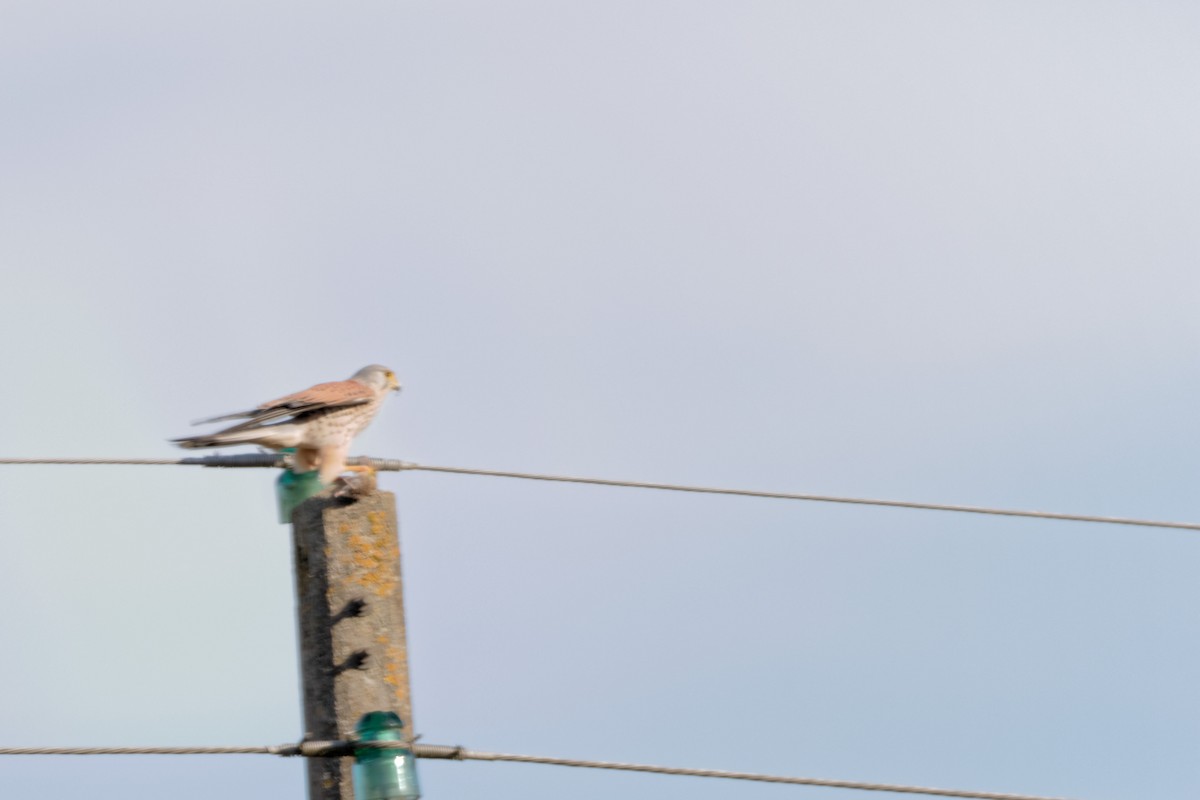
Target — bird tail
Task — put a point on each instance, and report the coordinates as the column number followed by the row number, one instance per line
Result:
column 226, row 417
column 275, row 436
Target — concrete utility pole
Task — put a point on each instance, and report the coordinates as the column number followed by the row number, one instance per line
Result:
column 349, row 598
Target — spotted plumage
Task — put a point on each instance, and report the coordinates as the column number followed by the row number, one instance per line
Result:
column 319, row 422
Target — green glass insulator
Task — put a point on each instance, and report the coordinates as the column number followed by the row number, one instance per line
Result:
column 384, row 773
column 293, row 488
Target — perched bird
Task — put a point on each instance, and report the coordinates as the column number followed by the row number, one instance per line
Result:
column 319, row 422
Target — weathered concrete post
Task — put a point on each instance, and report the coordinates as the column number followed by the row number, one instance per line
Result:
column 350, row 605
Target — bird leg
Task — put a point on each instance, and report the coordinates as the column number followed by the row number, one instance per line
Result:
column 330, row 462
column 305, row 459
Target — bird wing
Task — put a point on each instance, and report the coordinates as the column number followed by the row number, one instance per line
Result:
column 324, row 395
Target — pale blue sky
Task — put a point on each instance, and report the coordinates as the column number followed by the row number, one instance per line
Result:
column 932, row 251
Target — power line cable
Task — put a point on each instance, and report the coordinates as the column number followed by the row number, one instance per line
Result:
column 147, row 751
column 117, row 461
column 1193, row 526
column 442, row 751
column 318, row 749
column 395, row 465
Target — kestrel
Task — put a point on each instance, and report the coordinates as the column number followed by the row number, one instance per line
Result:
column 319, row 422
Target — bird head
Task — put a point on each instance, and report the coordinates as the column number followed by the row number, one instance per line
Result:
column 378, row 377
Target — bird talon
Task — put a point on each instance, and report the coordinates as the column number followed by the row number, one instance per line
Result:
column 354, row 483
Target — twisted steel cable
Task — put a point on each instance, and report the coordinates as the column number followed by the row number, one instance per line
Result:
column 396, row 465
column 319, row 749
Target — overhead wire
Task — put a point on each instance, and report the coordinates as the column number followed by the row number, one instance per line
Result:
column 442, row 751
column 218, row 750
column 396, row 465
column 322, row 749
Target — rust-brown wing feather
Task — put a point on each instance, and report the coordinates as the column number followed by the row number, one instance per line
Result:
column 336, row 394
column 323, row 395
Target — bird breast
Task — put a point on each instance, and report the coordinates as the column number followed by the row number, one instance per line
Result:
column 335, row 427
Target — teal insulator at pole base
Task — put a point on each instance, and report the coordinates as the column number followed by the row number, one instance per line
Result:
column 384, row 773
column 293, row 488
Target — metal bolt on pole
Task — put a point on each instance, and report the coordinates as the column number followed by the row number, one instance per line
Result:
column 350, row 605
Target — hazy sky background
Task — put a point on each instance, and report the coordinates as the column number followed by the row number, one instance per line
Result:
column 932, row 251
